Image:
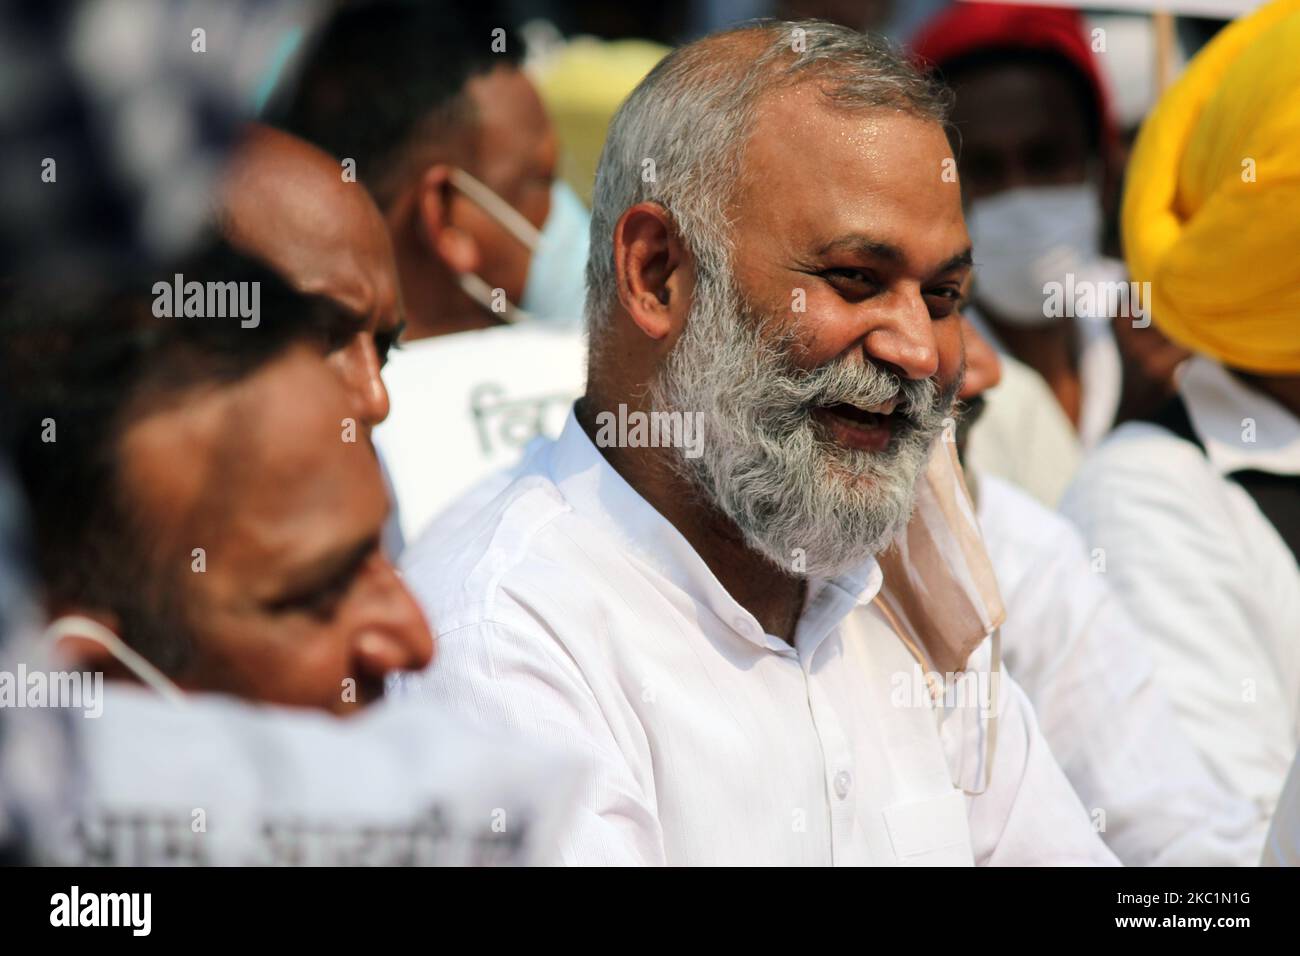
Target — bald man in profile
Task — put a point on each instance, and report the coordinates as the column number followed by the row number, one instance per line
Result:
column 286, row 204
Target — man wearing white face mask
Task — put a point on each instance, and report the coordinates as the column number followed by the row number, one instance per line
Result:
column 1034, row 144
column 451, row 137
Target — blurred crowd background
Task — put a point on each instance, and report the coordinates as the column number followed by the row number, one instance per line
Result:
column 122, row 155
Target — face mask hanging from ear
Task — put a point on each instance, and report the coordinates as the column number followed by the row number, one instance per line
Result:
column 76, row 625
column 941, row 596
column 555, row 289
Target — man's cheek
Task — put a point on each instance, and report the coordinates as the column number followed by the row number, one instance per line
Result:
column 817, row 334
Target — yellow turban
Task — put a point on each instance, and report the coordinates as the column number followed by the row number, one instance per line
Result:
column 1211, row 212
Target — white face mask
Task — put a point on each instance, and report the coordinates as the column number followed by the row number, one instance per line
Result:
column 556, row 285
column 1027, row 237
column 74, row 625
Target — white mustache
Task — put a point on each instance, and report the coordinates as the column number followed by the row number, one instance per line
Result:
column 915, row 401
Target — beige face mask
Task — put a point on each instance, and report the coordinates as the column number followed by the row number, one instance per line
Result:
column 939, row 582
column 940, row 591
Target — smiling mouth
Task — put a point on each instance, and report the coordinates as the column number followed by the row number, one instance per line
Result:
column 867, row 428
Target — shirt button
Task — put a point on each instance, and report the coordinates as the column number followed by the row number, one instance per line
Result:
column 843, row 781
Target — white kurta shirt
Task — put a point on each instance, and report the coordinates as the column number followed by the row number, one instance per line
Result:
column 573, row 613
column 1283, row 846
column 1024, row 436
column 1086, row 667
column 1209, row 580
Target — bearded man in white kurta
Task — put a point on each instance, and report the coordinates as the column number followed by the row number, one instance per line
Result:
column 689, row 602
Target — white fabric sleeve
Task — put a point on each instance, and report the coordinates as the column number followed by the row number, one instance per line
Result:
column 1029, row 815
column 526, row 684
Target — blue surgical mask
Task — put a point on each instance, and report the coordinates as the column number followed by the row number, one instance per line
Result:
column 555, row 289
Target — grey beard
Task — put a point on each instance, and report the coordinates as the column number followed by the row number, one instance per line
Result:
column 809, row 505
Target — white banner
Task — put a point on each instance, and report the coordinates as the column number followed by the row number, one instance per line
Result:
column 215, row 781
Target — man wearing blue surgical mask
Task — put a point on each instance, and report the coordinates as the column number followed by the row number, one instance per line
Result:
column 439, row 121
column 451, row 137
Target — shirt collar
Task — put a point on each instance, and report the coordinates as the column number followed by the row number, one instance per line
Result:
column 1240, row 427
column 594, row 490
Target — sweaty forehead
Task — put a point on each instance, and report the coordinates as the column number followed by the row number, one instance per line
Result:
column 362, row 274
column 811, row 173
column 290, row 205
column 342, row 247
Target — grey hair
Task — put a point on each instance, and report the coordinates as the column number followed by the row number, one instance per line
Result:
column 689, row 119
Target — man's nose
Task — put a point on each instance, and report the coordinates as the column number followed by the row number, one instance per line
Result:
column 360, row 366
column 904, row 341
column 395, row 635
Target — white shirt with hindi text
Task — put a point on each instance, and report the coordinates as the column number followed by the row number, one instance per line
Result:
column 466, row 405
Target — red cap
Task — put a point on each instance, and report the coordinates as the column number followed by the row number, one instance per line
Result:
column 966, row 28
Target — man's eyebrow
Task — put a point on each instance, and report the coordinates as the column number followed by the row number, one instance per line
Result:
column 864, row 246
column 877, row 249
column 962, row 260
column 327, row 568
column 327, row 315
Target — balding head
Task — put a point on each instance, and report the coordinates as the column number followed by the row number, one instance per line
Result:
column 286, row 203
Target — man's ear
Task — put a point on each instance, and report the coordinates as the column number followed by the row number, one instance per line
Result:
column 450, row 244
column 655, row 278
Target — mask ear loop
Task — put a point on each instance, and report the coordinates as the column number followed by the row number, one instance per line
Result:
column 481, row 292
column 991, row 737
column 510, row 218
column 75, row 625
